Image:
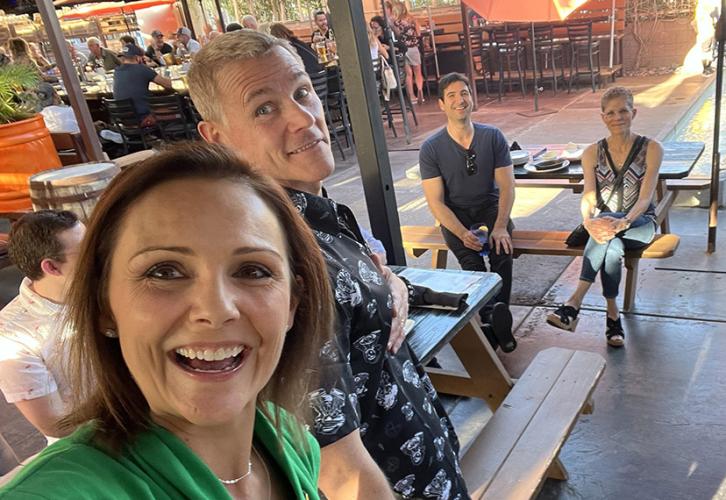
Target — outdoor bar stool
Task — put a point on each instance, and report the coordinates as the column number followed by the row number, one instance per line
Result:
column 479, row 55
column 383, row 101
column 508, row 46
column 125, row 121
column 320, row 84
column 583, row 50
column 548, row 51
column 338, row 104
column 172, row 117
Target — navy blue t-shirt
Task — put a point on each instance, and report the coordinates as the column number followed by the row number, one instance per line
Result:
column 441, row 156
column 131, row 81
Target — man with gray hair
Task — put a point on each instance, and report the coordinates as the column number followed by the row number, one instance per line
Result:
column 100, row 56
column 376, row 413
column 249, row 22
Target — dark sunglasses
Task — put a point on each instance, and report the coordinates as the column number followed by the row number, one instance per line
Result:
column 471, row 168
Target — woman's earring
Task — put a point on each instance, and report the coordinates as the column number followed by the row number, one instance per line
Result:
column 110, row 333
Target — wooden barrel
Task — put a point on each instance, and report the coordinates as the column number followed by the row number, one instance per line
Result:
column 75, row 188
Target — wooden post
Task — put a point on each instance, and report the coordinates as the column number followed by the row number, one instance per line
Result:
column 469, row 56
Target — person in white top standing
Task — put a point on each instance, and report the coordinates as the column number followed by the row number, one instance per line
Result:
column 44, row 245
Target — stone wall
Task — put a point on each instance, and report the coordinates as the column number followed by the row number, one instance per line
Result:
column 668, row 46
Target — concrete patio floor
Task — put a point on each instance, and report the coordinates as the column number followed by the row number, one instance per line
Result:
column 657, row 429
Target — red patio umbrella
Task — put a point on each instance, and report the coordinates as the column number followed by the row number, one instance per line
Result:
column 526, row 11
column 110, row 8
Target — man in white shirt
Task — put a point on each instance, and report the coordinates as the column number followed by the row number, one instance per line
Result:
column 44, row 246
column 185, row 42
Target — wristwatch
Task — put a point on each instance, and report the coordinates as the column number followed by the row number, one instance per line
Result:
column 627, row 220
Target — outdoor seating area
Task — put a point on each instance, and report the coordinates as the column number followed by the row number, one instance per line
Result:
column 412, row 314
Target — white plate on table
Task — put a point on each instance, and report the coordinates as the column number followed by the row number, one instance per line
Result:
column 531, row 168
column 519, row 157
column 572, row 155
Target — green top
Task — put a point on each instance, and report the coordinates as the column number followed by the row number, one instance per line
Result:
column 157, row 465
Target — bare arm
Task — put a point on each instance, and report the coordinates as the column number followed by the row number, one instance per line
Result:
column 348, row 472
column 504, row 177
column 44, row 413
column 164, row 82
column 434, row 192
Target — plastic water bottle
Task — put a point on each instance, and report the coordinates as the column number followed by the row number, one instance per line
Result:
column 481, row 231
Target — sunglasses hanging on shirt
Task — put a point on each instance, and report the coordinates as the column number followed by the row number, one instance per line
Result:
column 471, row 167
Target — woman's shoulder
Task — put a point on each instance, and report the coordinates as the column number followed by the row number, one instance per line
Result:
column 71, row 468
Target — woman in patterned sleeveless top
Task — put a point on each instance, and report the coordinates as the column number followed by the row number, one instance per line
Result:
column 617, row 210
column 407, row 31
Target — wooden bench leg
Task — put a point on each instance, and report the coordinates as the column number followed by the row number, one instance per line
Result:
column 557, row 470
column 631, row 283
column 438, row 259
column 488, row 379
column 666, row 199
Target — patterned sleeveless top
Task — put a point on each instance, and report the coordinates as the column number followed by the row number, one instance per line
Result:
column 624, row 198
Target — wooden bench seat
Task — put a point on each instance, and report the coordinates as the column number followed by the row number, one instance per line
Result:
column 417, row 240
column 518, row 447
column 688, row 184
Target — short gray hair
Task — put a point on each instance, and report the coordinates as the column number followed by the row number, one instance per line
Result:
column 615, row 93
column 217, row 56
column 93, row 39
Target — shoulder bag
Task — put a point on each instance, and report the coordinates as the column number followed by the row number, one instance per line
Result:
column 579, row 236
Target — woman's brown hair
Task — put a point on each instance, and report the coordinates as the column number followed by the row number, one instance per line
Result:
column 105, row 391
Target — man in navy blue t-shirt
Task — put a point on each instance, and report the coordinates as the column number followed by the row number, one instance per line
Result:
column 468, row 180
column 131, row 80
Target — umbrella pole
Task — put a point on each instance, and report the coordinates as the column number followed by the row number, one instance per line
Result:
column 432, row 27
column 716, row 157
column 534, row 67
column 612, row 33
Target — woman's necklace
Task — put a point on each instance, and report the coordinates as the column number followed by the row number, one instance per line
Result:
column 268, row 483
column 237, row 480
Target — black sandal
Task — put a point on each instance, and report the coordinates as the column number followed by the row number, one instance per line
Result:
column 564, row 317
column 615, row 333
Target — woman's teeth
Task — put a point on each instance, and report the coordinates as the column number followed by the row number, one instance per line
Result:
column 210, row 354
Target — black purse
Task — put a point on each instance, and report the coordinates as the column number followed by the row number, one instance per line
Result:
column 579, row 236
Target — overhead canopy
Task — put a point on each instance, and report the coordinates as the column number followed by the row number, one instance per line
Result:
column 524, row 10
column 112, row 8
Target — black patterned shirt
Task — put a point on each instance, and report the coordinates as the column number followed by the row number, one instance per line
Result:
column 363, row 386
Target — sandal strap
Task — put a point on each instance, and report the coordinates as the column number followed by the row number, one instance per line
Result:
column 566, row 313
column 614, row 327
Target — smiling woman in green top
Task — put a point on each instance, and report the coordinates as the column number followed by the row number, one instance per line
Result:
column 199, row 298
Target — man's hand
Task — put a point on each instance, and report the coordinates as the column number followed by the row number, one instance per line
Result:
column 501, row 241
column 470, row 241
column 399, row 292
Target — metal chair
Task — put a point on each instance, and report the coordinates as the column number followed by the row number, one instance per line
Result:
column 548, row 52
column 126, row 122
column 320, row 84
column 479, row 54
column 338, row 105
column 508, row 45
column 406, row 105
column 172, row 117
column 583, row 49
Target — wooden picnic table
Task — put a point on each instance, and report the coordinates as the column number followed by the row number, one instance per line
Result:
column 486, row 377
column 679, row 158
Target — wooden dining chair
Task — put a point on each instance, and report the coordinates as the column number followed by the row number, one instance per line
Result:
column 479, row 54
column 548, row 52
column 583, row 51
column 320, row 85
column 509, row 50
column 70, row 148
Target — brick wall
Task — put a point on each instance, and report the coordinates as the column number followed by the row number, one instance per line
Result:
column 668, row 46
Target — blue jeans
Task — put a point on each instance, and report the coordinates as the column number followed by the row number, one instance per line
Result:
column 607, row 257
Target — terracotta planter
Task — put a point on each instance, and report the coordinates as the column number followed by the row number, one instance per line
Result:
column 26, row 148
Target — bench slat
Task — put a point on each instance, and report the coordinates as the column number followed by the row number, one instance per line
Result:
column 510, row 458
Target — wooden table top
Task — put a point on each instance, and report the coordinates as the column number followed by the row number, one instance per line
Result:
column 679, row 158
column 435, row 328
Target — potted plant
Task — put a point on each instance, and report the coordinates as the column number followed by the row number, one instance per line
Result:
column 26, row 146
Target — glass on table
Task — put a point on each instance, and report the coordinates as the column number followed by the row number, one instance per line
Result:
column 322, row 50
column 481, row 231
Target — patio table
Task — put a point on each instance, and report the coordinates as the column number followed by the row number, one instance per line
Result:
column 679, row 158
column 486, row 377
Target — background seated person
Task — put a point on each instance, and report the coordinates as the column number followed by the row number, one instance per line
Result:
column 101, row 57
column 249, row 22
column 308, row 55
column 626, row 218
column 185, row 44
column 131, row 81
column 44, row 246
column 194, row 330
column 322, row 30
column 157, row 48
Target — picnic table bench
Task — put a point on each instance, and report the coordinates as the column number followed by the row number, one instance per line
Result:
column 532, row 417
